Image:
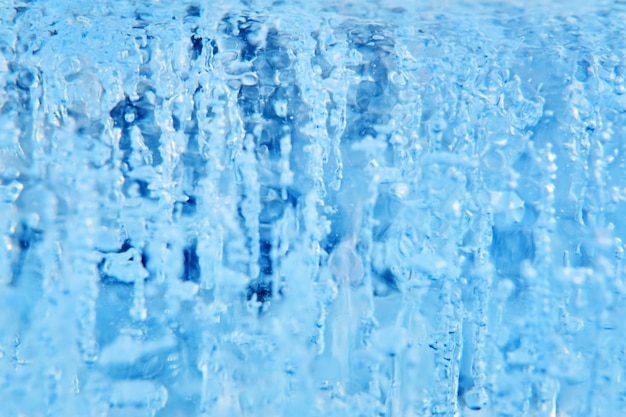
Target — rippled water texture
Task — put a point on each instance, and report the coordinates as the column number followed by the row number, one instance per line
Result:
column 312, row 209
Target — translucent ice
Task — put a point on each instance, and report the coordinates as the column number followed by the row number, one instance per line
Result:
column 320, row 208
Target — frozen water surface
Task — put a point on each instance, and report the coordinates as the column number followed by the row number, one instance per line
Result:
column 312, row 209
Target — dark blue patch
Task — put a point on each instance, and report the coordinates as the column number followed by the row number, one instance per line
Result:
column 320, row 61
column 193, row 11
column 189, row 206
column 124, row 111
column 140, row 113
column 245, row 29
column 385, row 283
column 510, row 247
column 292, row 197
column 125, row 146
column 144, row 261
column 250, row 93
column 109, row 280
column 196, row 47
column 265, row 260
column 216, row 50
column 144, row 191
column 330, row 241
column 191, row 271
column 125, row 246
column 262, row 289
column 27, row 236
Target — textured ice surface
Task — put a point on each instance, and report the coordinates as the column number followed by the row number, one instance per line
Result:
column 309, row 209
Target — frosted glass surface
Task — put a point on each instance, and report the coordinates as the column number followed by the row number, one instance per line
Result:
column 392, row 208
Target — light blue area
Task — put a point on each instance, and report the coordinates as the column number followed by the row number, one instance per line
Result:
column 318, row 209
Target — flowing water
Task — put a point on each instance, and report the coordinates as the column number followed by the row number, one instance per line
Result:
column 312, row 209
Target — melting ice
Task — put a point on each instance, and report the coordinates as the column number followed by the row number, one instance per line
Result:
column 294, row 209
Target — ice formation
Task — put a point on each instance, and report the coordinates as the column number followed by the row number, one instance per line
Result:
column 312, row 209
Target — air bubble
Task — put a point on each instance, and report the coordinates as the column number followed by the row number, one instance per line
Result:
column 249, row 79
